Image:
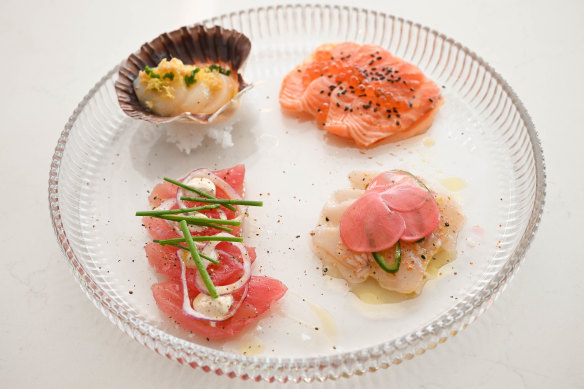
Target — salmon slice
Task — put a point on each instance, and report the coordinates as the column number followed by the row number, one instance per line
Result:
column 362, row 92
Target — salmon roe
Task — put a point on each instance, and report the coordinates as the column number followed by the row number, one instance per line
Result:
column 373, row 82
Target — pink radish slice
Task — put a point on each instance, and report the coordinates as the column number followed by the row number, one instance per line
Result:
column 386, row 180
column 368, row 225
column 421, row 222
column 405, row 197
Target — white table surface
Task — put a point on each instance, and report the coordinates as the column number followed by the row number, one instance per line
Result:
column 51, row 336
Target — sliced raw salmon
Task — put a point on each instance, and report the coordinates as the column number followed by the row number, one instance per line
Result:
column 362, row 92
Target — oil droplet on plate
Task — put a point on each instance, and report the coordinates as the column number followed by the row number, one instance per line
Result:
column 249, row 345
column 441, row 258
column 328, row 324
column 428, row 142
column 453, row 184
column 370, row 292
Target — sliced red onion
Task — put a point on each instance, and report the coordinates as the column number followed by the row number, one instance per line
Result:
column 219, row 183
column 188, row 309
column 167, row 205
column 240, row 283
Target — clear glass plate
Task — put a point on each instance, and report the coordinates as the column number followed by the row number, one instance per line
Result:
column 483, row 147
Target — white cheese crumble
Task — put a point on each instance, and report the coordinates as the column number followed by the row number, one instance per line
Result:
column 213, row 308
column 203, row 184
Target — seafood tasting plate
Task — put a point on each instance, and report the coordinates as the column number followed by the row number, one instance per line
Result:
column 482, row 149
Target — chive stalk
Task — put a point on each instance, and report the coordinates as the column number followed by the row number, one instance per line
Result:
column 200, row 239
column 212, row 260
column 197, row 191
column 174, row 211
column 224, row 201
column 195, row 255
column 198, row 220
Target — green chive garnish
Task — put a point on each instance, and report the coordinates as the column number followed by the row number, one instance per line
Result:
column 380, row 259
column 200, row 239
column 190, row 79
column 226, row 72
column 198, row 220
column 197, row 191
column 224, row 201
column 212, row 260
column 150, row 72
column 195, row 255
column 211, row 225
column 169, row 75
column 173, row 211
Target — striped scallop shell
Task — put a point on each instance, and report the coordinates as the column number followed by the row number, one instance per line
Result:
column 193, row 45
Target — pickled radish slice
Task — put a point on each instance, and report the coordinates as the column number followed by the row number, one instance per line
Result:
column 385, row 180
column 405, row 197
column 369, row 225
column 421, row 222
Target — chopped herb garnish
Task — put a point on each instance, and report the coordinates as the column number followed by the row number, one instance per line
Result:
column 190, row 79
column 150, row 72
column 225, row 72
column 169, row 75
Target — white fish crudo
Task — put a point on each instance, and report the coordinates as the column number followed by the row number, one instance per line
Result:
column 356, row 267
column 173, row 88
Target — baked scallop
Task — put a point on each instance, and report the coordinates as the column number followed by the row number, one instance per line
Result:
column 191, row 74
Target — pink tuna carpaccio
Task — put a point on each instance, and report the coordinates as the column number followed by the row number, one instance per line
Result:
column 261, row 293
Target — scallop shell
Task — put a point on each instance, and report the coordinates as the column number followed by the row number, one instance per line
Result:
column 192, row 45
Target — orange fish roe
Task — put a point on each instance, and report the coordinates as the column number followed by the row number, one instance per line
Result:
column 362, row 92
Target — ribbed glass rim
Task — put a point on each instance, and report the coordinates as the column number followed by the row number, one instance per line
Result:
column 308, row 369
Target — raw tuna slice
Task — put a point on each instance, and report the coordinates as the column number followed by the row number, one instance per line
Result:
column 262, row 293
